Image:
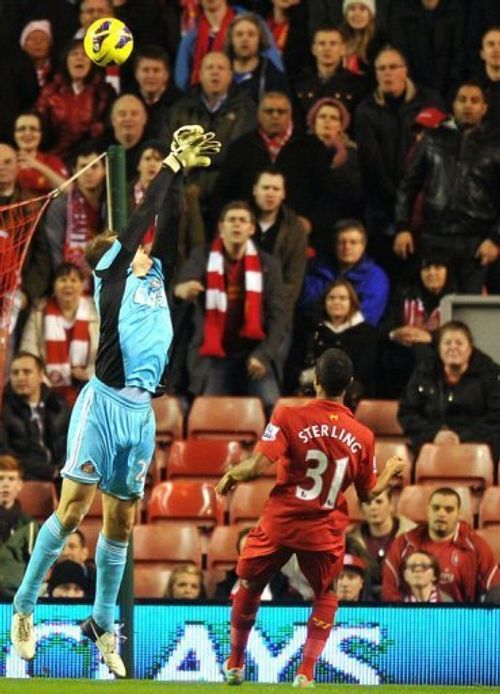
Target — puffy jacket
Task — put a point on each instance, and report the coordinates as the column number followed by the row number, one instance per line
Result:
column 470, row 567
column 19, row 433
column 368, row 279
column 470, row 408
column 458, row 172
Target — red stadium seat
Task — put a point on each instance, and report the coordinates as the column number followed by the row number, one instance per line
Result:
column 463, row 465
column 194, row 503
column 157, row 552
column 385, row 449
column 169, row 419
column 489, row 509
column 292, row 401
column 492, row 537
column 202, row 459
column 38, row 499
column 381, row 417
column 247, row 502
column 414, row 500
column 240, row 418
column 222, row 553
column 91, row 531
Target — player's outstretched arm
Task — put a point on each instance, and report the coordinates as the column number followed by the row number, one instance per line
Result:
column 394, row 467
column 247, row 470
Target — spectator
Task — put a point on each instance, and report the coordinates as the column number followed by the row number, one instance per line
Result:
column 36, row 42
column 483, row 15
column 62, row 16
column 34, row 420
column 74, row 105
column 253, row 71
column 411, row 321
column 363, row 39
column 185, row 583
column 277, row 589
column 239, row 325
column 91, row 11
column 421, row 574
column 73, row 219
column 431, row 35
column 287, row 21
column 153, row 86
column 378, row 531
column 466, row 562
column 38, row 172
column 18, row 531
column 275, row 142
column 350, row 582
column 350, row 262
column 341, row 195
column 35, row 274
column 209, row 35
column 489, row 74
column 330, row 13
column 343, row 326
column 63, row 331
column 383, row 128
column 76, row 550
column 460, row 214
column 279, row 232
column 218, row 107
column 454, row 396
column 129, row 121
column 68, row 581
column 328, row 77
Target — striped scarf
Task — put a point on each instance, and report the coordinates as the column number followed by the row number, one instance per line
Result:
column 274, row 145
column 216, row 299
column 61, row 355
column 209, row 39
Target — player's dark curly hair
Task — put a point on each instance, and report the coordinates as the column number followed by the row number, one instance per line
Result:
column 334, row 371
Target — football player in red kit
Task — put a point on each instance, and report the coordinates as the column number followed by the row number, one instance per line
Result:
column 320, row 450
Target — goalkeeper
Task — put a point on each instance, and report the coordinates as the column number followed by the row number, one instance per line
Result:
column 111, row 433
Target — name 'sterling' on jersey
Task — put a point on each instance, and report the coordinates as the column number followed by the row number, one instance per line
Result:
column 318, row 431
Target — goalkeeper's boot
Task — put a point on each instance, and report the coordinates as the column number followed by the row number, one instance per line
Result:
column 233, row 675
column 302, row 682
column 22, row 635
column 106, row 642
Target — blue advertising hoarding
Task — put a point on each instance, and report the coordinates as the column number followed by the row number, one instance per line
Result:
column 187, row 642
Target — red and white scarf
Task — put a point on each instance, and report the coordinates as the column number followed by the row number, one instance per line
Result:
column 149, row 235
column 209, row 39
column 61, row 355
column 274, row 145
column 82, row 224
column 216, row 299
column 415, row 314
column 433, row 597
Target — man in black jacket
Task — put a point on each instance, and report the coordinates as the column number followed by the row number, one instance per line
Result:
column 456, row 167
column 34, row 420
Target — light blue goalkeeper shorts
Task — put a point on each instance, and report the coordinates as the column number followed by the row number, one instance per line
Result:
column 111, row 441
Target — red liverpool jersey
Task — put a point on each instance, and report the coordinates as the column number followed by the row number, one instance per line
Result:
column 320, row 449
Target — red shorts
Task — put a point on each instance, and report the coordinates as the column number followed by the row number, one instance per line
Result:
column 260, row 560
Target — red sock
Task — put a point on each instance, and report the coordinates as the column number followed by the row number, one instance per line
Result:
column 245, row 606
column 318, row 630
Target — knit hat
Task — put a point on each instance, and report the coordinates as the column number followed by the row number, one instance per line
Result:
column 35, row 25
column 351, row 561
column 430, row 118
column 68, row 572
column 370, row 4
column 328, row 101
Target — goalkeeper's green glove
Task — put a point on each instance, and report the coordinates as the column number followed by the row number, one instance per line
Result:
column 191, row 146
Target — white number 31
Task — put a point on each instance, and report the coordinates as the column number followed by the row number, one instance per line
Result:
column 315, row 472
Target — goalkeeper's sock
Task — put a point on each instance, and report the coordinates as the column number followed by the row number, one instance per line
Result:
column 318, row 630
column 48, row 546
column 245, row 606
column 110, row 560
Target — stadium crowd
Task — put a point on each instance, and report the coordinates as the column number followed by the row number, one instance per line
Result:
column 359, row 182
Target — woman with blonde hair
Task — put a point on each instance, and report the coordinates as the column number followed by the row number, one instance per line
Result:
column 363, row 39
column 185, row 583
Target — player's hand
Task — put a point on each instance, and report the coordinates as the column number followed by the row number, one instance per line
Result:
column 256, row 369
column 226, row 484
column 395, row 466
column 404, row 245
column 191, row 146
column 487, row 252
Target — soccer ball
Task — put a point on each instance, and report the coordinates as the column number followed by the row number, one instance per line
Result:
column 108, row 41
